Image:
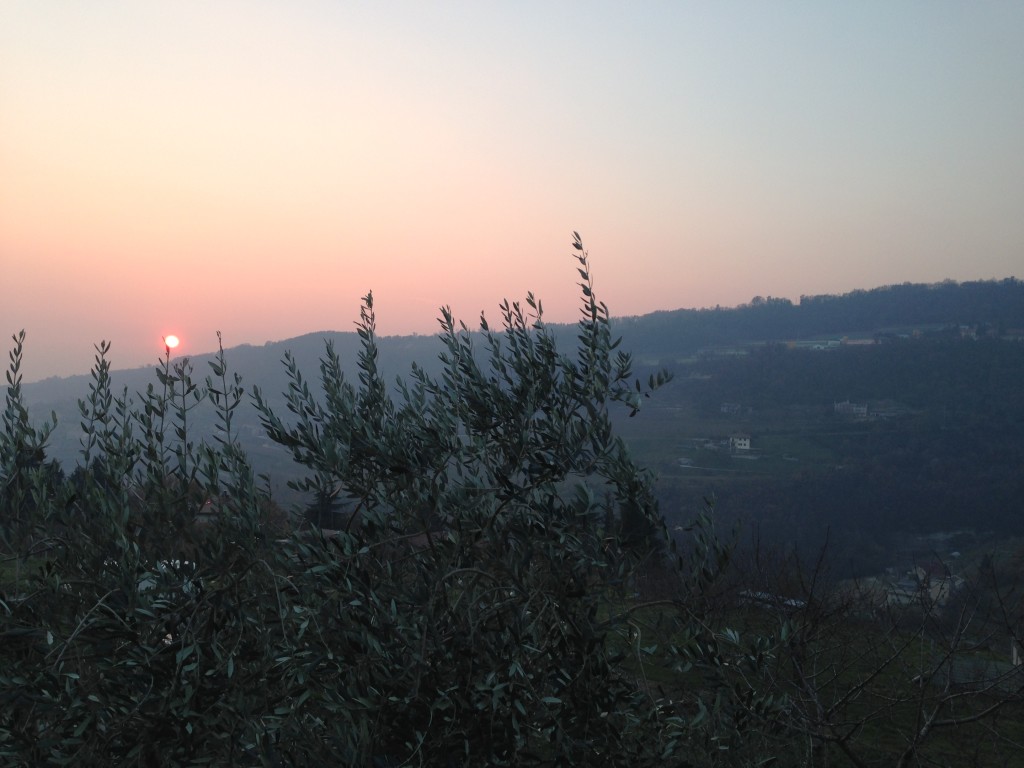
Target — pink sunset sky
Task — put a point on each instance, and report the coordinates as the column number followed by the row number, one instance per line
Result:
column 256, row 167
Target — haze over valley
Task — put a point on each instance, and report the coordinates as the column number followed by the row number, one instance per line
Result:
column 867, row 419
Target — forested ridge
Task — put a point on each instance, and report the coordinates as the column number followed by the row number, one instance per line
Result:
column 995, row 305
column 993, row 309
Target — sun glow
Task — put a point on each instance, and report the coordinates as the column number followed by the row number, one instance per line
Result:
column 171, row 341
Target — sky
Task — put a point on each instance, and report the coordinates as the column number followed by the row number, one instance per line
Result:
column 257, row 167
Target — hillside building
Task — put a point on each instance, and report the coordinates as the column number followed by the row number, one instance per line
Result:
column 739, row 443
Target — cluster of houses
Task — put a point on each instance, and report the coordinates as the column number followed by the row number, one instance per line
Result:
column 930, row 586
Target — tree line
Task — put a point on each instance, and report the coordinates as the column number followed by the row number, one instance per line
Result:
column 995, row 306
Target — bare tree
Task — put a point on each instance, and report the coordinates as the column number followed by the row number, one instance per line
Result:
column 900, row 673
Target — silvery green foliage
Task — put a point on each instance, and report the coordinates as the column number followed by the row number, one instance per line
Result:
column 482, row 544
column 477, row 605
column 23, row 485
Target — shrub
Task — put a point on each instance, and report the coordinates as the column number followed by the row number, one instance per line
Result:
column 477, row 607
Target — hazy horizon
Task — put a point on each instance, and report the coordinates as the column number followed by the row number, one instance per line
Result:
column 197, row 351
column 257, row 169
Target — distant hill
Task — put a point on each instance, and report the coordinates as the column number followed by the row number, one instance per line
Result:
column 992, row 308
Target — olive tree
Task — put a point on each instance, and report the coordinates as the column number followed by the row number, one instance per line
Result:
column 478, row 603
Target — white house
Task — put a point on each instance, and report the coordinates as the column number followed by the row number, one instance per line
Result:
column 739, row 442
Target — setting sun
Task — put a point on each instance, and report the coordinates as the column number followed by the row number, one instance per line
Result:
column 171, row 341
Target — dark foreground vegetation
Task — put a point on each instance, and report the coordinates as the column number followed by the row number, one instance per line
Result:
column 492, row 584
